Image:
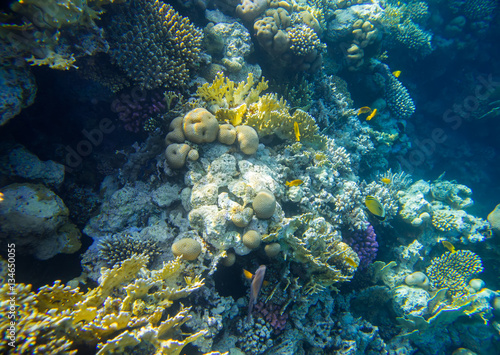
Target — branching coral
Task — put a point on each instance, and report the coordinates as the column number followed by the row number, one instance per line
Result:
column 313, row 241
column 228, row 101
column 454, row 270
column 58, row 319
column 268, row 114
column 153, row 44
column 397, row 96
column 118, row 248
column 271, row 116
column 303, row 40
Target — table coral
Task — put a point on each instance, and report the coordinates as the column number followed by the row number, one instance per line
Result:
column 153, row 44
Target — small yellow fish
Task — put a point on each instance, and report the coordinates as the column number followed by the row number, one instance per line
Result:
column 371, row 115
column 296, row 130
column 448, row 246
column 364, row 109
column 396, row 73
column 248, row 275
column 351, row 262
column 386, row 180
column 296, row 182
column 1, row 196
column 375, row 207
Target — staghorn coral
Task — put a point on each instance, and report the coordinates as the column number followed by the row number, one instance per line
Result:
column 119, row 247
column 153, row 44
column 454, row 271
column 58, row 319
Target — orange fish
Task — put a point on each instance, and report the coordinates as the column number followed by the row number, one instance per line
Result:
column 297, row 131
column 371, row 115
column 296, row 182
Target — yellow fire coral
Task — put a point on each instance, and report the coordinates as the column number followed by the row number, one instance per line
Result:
column 58, row 319
column 231, row 100
column 268, row 114
column 271, row 116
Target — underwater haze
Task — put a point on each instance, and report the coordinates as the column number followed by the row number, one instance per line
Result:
column 286, row 177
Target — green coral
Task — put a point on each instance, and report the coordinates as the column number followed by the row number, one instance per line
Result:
column 454, row 270
column 153, row 44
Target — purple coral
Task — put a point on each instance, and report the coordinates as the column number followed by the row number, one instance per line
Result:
column 271, row 312
column 364, row 243
column 136, row 107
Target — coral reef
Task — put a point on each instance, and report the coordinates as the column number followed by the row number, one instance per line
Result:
column 153, row 44
column 58, row 319
column 439, row 204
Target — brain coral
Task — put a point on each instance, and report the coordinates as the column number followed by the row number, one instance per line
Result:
column 454, row 270
column 200, row 126
column 264, row 204
column 153, row 44
column 188, row 248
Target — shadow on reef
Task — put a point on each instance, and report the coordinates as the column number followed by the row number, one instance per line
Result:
column 64, row 267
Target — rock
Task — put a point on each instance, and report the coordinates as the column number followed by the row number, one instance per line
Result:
column 36, row 220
